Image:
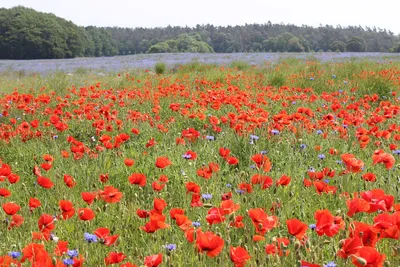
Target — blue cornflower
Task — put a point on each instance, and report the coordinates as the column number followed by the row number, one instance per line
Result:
column 206, row 196
column 14, row 254
column 68, row 262
column 340, row 91
column 397, row 152
column 240, row 191
column 228, row 185
column 210, row 138
column 326, row 181
column 274, row 132
column 330, row 264
column 333, row 76
column 253, row 167
column 90, row 238
column 196, row 224
column 303, row 146
column 320, row 132
column 312, row 226
column 254, row 137
column 345, row 82
column 294, row 103
column 321, row 156
column 72, row 253
column 55, row 136
column 311, row 169
column 186, row 156
column 311, row 78
column 171, row 247
column 263, row 152
column 339, row 162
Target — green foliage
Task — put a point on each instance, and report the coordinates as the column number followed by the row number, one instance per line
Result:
column 28, row 34
column 160, row 67
column 277, row 80
column 184, row 43
column 356, row 44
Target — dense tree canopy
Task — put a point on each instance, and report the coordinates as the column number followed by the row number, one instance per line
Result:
column 28, row 34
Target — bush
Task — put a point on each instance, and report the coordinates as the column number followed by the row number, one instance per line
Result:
column 160, row 68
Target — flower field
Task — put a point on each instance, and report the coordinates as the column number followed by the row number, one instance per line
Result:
column 291, row 164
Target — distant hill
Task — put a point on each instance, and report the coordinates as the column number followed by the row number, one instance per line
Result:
column 28, row 34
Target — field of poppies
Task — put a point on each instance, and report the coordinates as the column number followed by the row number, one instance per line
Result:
column 287, row 164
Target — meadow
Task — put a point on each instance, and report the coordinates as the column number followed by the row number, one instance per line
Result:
column 294, row 163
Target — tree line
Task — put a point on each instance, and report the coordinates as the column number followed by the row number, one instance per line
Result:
column 28, row 34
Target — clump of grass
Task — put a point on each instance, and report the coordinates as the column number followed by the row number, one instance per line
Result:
column 160, row 68
column 277, row 80
column 239, row 65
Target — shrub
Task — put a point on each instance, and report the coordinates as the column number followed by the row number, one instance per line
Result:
column 160, row 68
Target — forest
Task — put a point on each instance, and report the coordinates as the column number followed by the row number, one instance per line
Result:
column 29, row 34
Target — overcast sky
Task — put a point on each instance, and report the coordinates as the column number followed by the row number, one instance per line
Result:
column 156, row 13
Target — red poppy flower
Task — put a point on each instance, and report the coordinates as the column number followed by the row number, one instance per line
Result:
column 69, row 181
column 45, row 182
column 308, row 264
column 261, row 221
column 137, row 178
column 370, row 177
column 153, row 260
column 157, row 186
column 16, row 220
column 162, row 162
column 114, row 257
column 61, row 248
column 368, row 256
column 209, row 242
column 156, row 223
column 88, row 197
column 129, row 162
column 224, row 152
column 46, row 223
column 110, row 194
column 349, row 247
column 67, row 209
column 86, row 214
column 385, row 158
column 4, row 192
column 327, row 224
column 284, row 180
column 239, row 256
column 159, row 205
column 33, row 203
column 10, row 208
column 13, row 178
column 46, row 166
column 352, row 164
column 297, row 228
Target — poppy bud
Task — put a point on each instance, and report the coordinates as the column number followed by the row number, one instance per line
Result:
column 308, row 244
column 232, row 216
column 361, row 261
column 297, row 245
column 208, row 205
